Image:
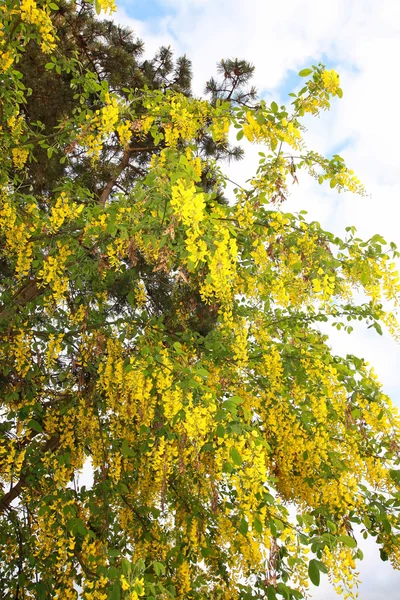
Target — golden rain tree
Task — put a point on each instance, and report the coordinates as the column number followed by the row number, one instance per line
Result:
column 170, row 339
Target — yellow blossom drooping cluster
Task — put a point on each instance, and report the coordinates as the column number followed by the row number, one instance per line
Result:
column 21, row 351
column 189, row 205
column 221, row 280
column 30, row 13
column 63, row 210
column 52, row 273
column 6, row 60
column 330, row 80
column 107, row 5
column 19, row 156
column 100, row 125
column 17, row 235
column 54, row 348
column 315, row 96
column 342, row 571
column 185, row 119
column 263, row 131
column 124, row 130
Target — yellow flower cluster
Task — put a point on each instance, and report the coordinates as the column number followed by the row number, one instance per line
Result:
column 271, row 134
column 128, row 393
column 290, row 133
column 30, row 13
column 325, row 284
column 189, row 206
column 21, row 350
column 54, row 347
column 185, row 118
column 237, row 331
column 6, row 60
column 199, row 418
column 220, row 128
column 124, row 130
column 63, row 210
column 17, row 236
column 347, row 180
column 140, row 295
column 221, row 280
column 317, row 97
column 53, row 271
column 107, row 5
column 100, row 125
column 19, row 156
column 330, row 80
column 342, row 573
column 115, row 252
column 11, row 459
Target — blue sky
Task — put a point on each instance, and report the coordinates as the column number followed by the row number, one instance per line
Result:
column 361, row 39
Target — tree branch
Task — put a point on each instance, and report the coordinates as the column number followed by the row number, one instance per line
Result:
column 107, row 190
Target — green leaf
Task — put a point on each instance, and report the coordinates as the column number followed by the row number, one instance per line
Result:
column 387, row 526
column 80, row 527
column 395, row 475
column 126, row 450
column 367, row 522
column 383, row 554
column 115, row 592
column 40, row 590
column 274, row 107
column 331, row 526
column 159, row 568
column 220, row 431
column 202, row 372
column 113, row 572
column 33, row 424
column 257, row 525
column 236, row 399
column 243, row 527
column 235, row 456
column 53, row 6
column 313, row 572
column 322, row 566
column 305, row 72
column 271, row 593
column 347, row 541
column 239, row 135
column 126, row 567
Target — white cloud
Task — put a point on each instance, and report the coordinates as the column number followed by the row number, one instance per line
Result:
column 361, row 38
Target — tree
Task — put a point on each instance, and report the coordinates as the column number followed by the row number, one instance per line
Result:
column 170, row 337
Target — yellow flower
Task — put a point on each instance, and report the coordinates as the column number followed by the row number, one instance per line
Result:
column 19, row 156
column 124, row 583
column 330, row 81
column 107, row 5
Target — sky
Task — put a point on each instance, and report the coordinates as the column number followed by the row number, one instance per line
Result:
column 361, row 40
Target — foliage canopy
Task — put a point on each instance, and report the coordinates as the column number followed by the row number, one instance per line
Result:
column 171, row 337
